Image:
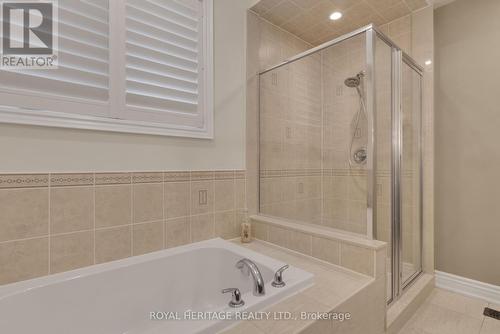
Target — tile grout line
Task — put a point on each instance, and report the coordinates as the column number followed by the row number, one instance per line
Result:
column 132, row 220
column 189, row 207
column 94, row 229
column 213, row 214
column 322, row 145
column 482, row 324
column 164, row 215
column 234, row 222
column 132, row 224
column 49, row 222
column 25, row 239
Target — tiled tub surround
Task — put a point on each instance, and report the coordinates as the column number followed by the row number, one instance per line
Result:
column 335, row 290
column 51, row 223
column 344, row 249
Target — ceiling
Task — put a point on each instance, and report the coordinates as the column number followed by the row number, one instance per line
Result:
column 309, row 19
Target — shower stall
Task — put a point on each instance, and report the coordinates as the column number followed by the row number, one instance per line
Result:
column 340, row 145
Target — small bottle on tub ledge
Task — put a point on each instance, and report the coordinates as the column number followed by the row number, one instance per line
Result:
column 246, row 231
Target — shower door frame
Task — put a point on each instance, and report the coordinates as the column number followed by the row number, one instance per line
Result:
column 398, row 57
column 405, row 59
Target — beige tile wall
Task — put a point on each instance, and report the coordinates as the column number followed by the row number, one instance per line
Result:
column 51, row 223
column 367, row 257
column 305, row 130
column 344, row 186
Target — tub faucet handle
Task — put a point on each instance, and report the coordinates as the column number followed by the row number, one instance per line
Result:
column 236, row 300
column 278, row 277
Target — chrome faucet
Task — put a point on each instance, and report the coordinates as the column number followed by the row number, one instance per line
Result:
column 249, row 267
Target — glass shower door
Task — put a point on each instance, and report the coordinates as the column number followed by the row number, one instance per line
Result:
column 383, row 144
column 398, row 170
column 411, row 178
column 313, row 122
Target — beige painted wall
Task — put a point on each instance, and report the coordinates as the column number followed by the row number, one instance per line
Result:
column 39, row 149
column 467, row 138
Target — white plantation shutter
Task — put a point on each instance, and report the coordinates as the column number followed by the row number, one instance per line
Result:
column 141, row 66
column 164, row 62
column 80, row 84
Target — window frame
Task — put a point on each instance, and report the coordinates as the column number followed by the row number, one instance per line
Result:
column 116, row 105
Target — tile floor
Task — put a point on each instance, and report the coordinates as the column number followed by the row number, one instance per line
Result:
column 446, row 312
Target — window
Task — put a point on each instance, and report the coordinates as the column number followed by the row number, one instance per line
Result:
column 124, row 65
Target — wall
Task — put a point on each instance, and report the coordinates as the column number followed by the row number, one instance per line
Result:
column 38, row 149
column 297, row 158
column 290, row 127
column 344, row 183
column 59, row 222
column 467, row 136
column 267, row 45
column 344, row 193
column 52, row 222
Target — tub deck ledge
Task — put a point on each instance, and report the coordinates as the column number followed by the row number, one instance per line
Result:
column 336, row 290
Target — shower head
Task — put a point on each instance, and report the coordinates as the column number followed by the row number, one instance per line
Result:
column 354, row 82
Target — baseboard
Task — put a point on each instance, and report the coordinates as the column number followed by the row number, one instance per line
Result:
column 468, row 287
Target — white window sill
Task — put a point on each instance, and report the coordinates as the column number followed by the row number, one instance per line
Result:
column 63, row 120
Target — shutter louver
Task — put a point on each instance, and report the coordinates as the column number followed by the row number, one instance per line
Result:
column 163, row 46
column 82, row 74
column 137, row 66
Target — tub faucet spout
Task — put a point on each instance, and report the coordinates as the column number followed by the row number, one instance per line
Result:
column 250, row 267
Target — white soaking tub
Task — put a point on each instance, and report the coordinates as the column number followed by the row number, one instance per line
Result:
column 119, row 296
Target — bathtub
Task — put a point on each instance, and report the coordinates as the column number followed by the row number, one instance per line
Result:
column 146, row 294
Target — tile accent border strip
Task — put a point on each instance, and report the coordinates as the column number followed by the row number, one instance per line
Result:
column 24, row 180
column 112, row 178
column 150, row 177
column 87, row 179
column 70, row 179
column 268, row 173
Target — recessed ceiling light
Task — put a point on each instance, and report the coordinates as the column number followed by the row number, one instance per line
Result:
column 335, row 16
column 428, row 62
